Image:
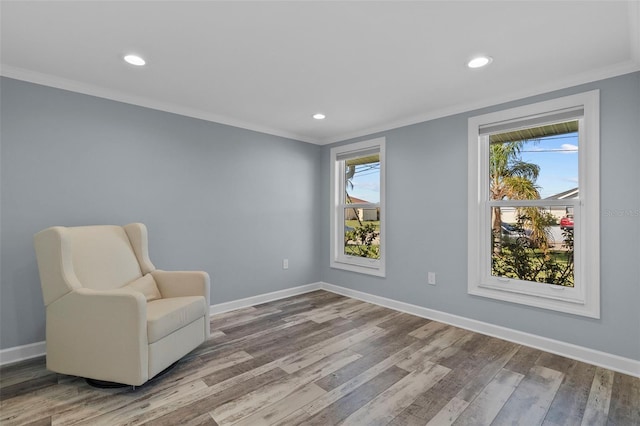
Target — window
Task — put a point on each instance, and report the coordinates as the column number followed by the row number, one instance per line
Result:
column 534, row 205
column 357, row 207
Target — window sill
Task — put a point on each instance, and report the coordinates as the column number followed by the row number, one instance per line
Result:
column 587, row 309
column 376, row 271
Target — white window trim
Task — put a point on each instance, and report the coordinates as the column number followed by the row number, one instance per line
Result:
column 337, row 258
column 584, row 298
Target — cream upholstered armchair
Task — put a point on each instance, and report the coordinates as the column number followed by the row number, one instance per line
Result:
column 111, row 315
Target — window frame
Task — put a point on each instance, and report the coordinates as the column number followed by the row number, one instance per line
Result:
column 584, row 298
column 338, row 259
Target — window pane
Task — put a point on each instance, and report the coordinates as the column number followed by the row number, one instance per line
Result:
column 535, row 163
column 533, row 244
column 362, row 179
column 362, row 232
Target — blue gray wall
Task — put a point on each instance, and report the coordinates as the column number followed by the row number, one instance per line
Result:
column 427, row 225
column 225, row 200
column 235, row 203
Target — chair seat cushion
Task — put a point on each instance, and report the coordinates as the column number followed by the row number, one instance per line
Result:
column 164, row 316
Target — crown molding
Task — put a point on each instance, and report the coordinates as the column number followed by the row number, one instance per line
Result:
column 115, row 95
column 92, row 90
column 583, row 78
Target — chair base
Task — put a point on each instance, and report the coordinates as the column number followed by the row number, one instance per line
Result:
column 103, row 384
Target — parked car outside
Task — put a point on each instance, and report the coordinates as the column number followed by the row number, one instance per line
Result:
column 511, row 233
column 566, row 222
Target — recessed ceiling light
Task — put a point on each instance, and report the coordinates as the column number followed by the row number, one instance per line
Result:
column 479, row 61
column 135, row 60
column 319, row 116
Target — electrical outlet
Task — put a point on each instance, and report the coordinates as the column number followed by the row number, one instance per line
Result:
column 431, row 278
column 285, row 263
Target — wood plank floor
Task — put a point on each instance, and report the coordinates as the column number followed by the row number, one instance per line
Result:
column 325, row 359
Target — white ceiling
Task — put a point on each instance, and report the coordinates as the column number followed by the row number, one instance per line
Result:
column 269, row 66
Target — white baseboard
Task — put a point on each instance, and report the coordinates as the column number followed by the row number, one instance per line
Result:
column 21, row 353
column 33, row 350
column 580, row 353
column 262, row 298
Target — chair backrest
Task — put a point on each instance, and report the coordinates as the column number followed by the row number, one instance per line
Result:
column 97, row 257
column 102, row 257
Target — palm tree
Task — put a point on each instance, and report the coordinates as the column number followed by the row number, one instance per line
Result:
column 513, row 179
column 350, row 171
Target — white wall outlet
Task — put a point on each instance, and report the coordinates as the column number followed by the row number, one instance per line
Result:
column 431, row 278
column 285, row 263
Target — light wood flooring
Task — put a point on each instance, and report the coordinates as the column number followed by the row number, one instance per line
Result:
column 325, row 359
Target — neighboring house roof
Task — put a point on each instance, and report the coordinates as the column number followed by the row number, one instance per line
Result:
column 355, row 200
column 566, row 195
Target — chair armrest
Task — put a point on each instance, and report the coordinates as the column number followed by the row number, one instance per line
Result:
column 128, row 302
column 99, row 334
column 183, row 283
